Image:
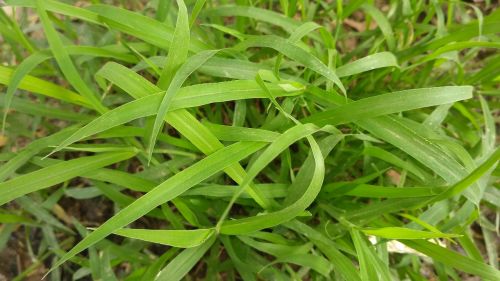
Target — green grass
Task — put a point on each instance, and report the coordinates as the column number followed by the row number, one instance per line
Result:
column 254, row 140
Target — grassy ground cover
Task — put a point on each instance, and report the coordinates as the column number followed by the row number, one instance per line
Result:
column 249, row 140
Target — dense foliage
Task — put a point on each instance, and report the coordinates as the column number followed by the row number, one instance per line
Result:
column 255, row 140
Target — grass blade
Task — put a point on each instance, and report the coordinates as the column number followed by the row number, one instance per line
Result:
column 64, row 61
column 174, row 238
column 400, row 101
column 180, row 76
column 292, row 51
column 400, row 233
column 454, row 259
column 56, row 174
column 177, row 52
column 183, row 262
column 371, row 62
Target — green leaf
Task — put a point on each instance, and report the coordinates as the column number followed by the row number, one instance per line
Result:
column 234, row 133
column 371, row 62
column 317, row 263
column 23, row 156
column 276, row 249
column 340, row 263
column 177, row 51
column 36, row 85
column 180, row 76
column 393, row 159
column 183, row 262
column 56, row 174
column 174, row 238
column 27, row 65
column 198, row 6
column 292, row 51
column 21, row 71
column 143, row 27
column 190, row 96
column 64, row 61
column 383, row 24
column 400, row 101
column 473, row 177
column 371, row 266
column 400, row 233
column 396, row 132
column 374, row 191
column 264, row 15
column 454, row 259
column 31, row 108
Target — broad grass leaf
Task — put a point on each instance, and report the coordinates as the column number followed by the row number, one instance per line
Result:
column 368, row 63
column 292, row 51
column 58, row 173
column 174, row 238
column 39, row 86
column 183, row 262
column 454, row 259
column 177, row 51
column 176, row 82
column 400, row 233
column 64, row 60
column 400, row 101
column 383, row 24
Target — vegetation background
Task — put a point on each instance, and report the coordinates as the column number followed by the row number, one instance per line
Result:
column 249, row 140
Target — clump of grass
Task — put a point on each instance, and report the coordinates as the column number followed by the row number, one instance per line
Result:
column 263, row 140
